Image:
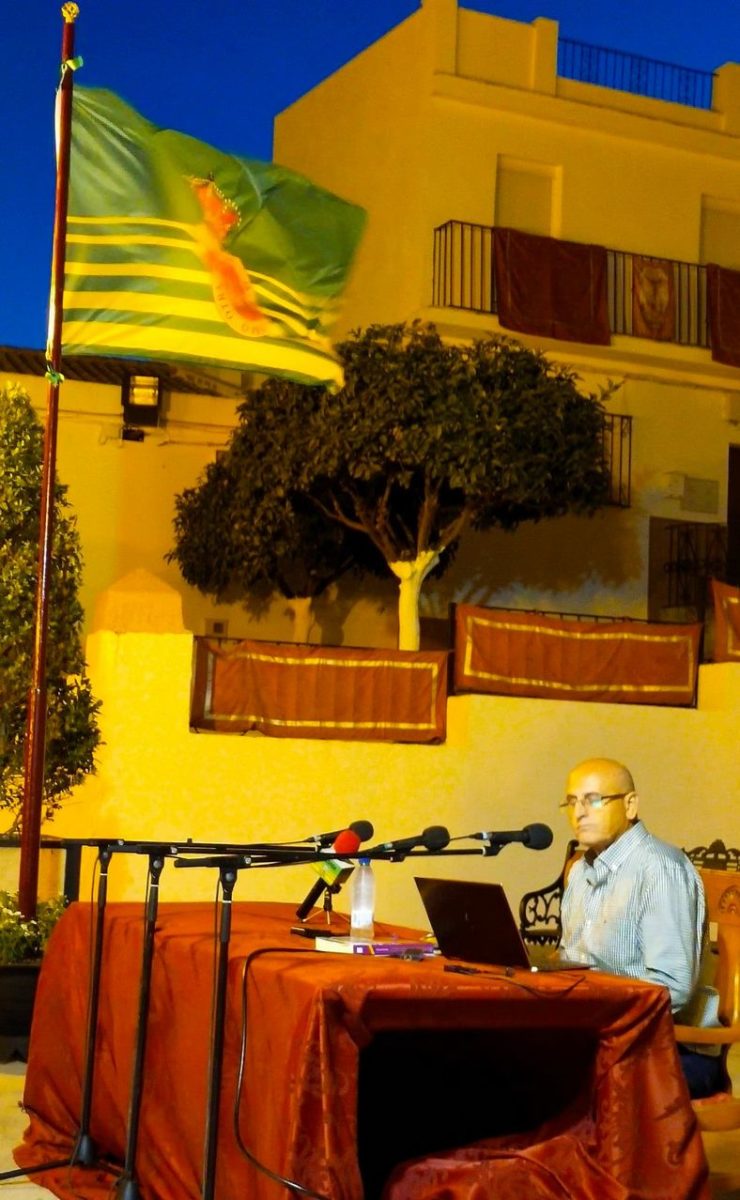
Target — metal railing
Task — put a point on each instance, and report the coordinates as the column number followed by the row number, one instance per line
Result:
column 618, row 458
column 464, row 277
column 690, row 322
column 463, row 271
column 631, row 73
column 697, row 553
column 72, row 859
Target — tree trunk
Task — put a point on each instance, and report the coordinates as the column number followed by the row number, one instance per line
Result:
column 411, row 576
column 301, row 610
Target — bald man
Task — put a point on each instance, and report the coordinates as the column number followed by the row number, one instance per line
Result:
column 634, row 905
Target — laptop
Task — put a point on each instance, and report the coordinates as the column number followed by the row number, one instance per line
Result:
column 473, row 922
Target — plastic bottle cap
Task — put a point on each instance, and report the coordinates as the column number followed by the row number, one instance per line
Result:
column 364, row 862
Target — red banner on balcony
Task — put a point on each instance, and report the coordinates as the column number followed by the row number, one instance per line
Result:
column 551, row 288
column 723, row 311
column 530, row 654
column 653, row 299
column 321, row 692
column 726, row 622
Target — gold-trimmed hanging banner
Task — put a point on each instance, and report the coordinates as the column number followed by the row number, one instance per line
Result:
column 287, row 690
column 726, row 622
column 531, row 654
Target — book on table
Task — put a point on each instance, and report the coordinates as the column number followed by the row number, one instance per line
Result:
column 383, row 947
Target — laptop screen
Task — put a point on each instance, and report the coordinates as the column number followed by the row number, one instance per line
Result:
column 472, row 921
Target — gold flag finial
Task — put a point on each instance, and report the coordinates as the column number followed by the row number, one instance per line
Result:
column 70, row 12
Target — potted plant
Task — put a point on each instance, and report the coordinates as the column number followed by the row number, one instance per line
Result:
column 22, row 944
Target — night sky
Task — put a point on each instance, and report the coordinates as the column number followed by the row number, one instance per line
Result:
column 221, row 69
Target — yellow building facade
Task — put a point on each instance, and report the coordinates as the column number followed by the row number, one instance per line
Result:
column 451, row 117
column 456, row 122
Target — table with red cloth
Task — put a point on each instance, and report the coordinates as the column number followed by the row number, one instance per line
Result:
column 626, row 1127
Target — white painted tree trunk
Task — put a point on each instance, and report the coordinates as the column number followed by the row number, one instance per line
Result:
column 301, row 610
column 411, row 576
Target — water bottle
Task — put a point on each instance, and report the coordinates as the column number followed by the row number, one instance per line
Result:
column 363, row 901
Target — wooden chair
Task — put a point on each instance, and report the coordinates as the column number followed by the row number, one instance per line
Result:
column 715, row 857
column 722, row 887
column 539, row 911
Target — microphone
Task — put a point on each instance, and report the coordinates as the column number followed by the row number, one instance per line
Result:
column 333, row 871
column 534, row 837
column 363, row 829
column 434, row 837
column 227, row 861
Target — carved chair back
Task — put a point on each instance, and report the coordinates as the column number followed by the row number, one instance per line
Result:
column 539, row 911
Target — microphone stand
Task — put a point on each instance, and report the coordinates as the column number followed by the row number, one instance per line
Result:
column 228, row 872
column 327, row 911
column 84, row 1152
column 266, row 854
column 228, row 869
column 126, row 1187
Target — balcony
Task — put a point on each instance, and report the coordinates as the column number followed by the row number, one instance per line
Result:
column 632, row 73
column 464, row 278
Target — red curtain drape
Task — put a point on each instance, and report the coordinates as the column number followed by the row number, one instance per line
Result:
column 306, row 1019
column 551, row 288
column 723, row 311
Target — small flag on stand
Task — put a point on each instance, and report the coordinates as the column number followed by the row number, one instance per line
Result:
column 176, row 250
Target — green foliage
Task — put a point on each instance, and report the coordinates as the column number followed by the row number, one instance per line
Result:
column 244, row 524
column 424, row 439
column 72, row 731
column 23, row 940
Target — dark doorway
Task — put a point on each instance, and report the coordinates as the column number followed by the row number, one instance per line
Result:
column 684, row 556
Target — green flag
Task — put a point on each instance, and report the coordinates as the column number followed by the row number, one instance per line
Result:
column 176, row 250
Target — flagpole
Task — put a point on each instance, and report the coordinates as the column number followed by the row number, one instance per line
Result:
column 35, row 744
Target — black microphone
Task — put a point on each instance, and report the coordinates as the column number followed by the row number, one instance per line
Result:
column 434, row 837
column 363, row 829
column 333, row 871
column 233, row 861
column 534, row 837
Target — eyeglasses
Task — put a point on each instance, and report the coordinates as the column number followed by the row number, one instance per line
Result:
column 592, row 800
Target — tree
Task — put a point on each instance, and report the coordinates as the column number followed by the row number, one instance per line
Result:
column 426, row 439
column 243, row 525
column 72, row 733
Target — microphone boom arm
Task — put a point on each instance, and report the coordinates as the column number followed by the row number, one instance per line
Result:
column 485, row 850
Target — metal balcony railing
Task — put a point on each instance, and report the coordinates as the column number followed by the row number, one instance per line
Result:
column 690, row 297
column 464, row 277
column 632, row 73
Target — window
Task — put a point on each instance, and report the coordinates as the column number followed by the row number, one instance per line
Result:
column 527, row 195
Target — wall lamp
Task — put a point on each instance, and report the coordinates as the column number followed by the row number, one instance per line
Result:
column 142, row 400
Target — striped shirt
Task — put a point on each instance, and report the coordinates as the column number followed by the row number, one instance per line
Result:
column 638, row 910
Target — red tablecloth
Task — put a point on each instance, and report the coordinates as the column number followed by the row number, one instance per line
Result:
column 309, row 1015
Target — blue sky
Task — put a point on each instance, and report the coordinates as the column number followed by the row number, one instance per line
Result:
column 221, row 69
